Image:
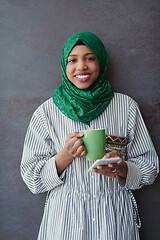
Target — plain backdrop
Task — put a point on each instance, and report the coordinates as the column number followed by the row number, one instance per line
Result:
column 32, row 33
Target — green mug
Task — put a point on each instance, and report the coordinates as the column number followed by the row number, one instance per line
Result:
column 94, row 141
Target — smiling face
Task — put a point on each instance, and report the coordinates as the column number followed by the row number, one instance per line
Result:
column 82, row 67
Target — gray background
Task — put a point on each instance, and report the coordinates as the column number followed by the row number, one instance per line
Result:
column 32, row 33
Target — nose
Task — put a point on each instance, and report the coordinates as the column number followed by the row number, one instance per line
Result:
column 81, row 65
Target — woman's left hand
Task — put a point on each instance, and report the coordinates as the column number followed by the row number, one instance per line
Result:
column 113, row 169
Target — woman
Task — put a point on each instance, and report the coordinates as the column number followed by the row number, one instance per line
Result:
column 82, row 205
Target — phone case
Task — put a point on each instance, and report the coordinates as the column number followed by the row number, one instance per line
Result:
column 104, row 162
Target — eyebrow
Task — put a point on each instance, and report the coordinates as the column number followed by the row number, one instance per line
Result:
column 73, row 55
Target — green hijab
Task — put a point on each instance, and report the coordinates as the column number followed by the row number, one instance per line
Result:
column 84, row 105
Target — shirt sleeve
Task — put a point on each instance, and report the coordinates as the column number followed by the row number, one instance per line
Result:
column 142, row 159
column 38, row 167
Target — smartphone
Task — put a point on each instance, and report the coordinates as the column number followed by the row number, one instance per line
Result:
column 103, row 162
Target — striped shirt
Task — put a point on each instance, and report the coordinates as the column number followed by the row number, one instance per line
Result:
column 81, row 205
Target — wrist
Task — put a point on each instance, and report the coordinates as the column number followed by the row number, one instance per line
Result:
column 124, row 170
column 62, row 160
column 64, row 156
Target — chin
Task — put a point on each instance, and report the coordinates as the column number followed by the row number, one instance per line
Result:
column 83, row 87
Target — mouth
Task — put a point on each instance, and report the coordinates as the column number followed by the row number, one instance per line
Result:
column 82, row 77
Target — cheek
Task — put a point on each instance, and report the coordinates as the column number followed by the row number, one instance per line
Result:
column 96, row 69
column 68, row 70
column 94, row 65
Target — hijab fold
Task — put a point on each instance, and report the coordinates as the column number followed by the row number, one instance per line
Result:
column 87, row 104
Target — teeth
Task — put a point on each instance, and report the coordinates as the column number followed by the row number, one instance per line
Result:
column 82, row 76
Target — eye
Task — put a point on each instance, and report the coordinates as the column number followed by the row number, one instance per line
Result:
column 73, row 60
column 90, row 58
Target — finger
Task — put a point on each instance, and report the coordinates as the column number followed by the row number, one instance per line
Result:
column 104, row 172
column 75, row 134
column 117, row 165
column 81, row 151
column 108, row 170
column 70, row 143
column 111, row 154
column 77, row 143
column 78, row 152
column 105, row 169
column 78, row 148
column 113, row 166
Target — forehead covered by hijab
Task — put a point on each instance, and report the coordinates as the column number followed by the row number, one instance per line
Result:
column 92, row 42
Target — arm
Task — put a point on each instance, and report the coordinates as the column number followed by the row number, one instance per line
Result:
column 141, row 166
column 38, row 167
column 142, row 160
column 42, row 169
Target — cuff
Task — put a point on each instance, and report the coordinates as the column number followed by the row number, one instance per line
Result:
column 50, row 176
column 133, row 179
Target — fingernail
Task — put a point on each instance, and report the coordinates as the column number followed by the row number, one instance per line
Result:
column 80, row 134
column 99, row 167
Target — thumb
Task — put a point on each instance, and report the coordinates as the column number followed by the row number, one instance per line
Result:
column 111, row 154
column 76, row 134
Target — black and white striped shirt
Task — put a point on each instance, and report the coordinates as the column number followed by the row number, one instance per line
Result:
column 82, row 205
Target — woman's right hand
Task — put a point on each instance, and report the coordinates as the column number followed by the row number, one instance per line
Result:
column 74, row 146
